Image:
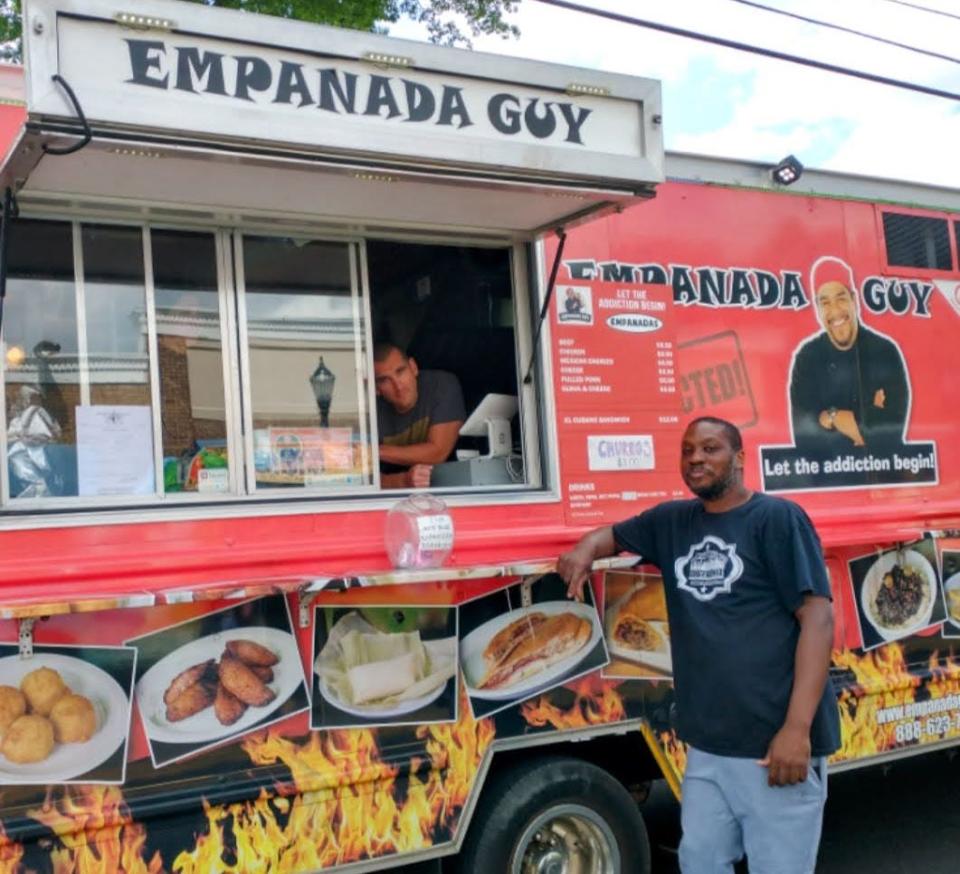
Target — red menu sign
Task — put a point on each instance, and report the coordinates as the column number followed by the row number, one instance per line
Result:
column 618, row 397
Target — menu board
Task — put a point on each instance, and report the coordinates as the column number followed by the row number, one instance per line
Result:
column 618, row 397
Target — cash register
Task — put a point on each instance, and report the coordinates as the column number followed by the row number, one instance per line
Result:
column 500, row 466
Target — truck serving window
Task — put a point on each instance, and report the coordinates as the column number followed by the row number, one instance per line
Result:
column 451, row 309
column 147, row 365
column 917, row 241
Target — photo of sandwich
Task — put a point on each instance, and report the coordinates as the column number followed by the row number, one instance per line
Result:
column 524, row 639
column 530, row 644
column 635, row 623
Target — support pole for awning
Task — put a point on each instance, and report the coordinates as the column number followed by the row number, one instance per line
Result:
column 9, row 210
column 562, row 234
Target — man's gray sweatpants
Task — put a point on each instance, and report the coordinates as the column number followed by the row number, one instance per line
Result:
column 729, row 810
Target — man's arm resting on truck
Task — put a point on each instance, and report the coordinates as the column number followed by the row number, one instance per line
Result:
column 417, row 477
column 574, row 566
column 441, row 438
column 788, row 757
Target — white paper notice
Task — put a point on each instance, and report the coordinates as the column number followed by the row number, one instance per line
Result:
column 115, row 450
column 215, row 479
column 436, row 533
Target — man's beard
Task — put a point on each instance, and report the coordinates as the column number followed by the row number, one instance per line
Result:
column 718, row 488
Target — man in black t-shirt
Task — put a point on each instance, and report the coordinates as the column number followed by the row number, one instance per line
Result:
column 751, row 630
column 419, row 414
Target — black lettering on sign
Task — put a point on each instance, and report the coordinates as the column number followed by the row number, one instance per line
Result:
column 582, row 269
column 541, row 126
column 193, row 66
column 145, row 55
column 503, row 110
column 291, row 81
column 741, row 291
column 574, row 116
column 712, row 282
column 684, row 291
column 253, row 74
column 768, row 287
column 333, row 92
column 381, row 97
column 794, row 297
column 452, row 106
column 421, row 103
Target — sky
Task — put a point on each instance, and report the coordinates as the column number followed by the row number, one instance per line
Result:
column 718, row 101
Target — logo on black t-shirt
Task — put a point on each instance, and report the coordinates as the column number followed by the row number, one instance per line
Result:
column 710, row 568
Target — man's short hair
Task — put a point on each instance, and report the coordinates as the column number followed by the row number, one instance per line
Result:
column 383, row 348
column 731, row 431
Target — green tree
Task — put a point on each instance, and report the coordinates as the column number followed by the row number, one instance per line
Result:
column 448, row 22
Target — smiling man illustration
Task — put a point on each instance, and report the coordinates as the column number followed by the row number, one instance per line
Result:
column 848, row 383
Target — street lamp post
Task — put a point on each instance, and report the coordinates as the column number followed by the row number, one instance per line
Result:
column 321, row 381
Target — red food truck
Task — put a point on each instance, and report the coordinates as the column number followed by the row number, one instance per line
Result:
column 226, row 644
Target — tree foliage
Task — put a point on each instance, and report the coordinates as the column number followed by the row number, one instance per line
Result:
column 448, row 22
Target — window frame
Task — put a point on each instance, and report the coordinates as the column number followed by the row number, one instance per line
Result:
column 535, row 399
column 921, row 272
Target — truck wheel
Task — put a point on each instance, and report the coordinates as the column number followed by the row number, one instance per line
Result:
column 556, row 816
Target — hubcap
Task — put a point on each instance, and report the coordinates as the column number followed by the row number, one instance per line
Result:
column 566, row 839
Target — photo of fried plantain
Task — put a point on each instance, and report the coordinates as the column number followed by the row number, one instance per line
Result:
column 251, row 653
column 185, row 679
column 191, row 701
column 241, row 681
column 227, row 707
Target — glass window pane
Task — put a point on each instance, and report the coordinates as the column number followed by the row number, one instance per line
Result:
column 189, row 348
column 307, row 399
column 42, row 375
column 917, row 241
column 115, row 440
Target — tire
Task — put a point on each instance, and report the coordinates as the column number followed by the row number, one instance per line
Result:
column 555, row 814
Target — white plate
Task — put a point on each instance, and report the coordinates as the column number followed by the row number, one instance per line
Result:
column 378, row 712
column 952, row 582
column 110, row 703
column 874, row 579
column 473, row 645
column 204, row 726
column 653, row 658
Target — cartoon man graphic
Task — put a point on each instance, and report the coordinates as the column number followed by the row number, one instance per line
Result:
column 848, row 384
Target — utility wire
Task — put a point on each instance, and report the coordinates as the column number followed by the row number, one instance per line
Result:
column 925, row 9
column 756, row 50
column 840, row 27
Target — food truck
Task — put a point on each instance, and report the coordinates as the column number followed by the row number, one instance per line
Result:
column 226, row 645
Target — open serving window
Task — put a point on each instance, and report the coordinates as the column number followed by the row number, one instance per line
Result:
column 220, row 219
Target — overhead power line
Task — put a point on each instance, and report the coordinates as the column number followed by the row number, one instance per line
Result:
column 925, row 9
column 840, row 27
column 756, row 50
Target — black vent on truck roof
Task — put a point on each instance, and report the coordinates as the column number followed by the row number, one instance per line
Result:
column 917, row 241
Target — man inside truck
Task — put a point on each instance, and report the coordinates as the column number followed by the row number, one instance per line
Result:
column 848, row 383
column 419, row 414
column 751, row 630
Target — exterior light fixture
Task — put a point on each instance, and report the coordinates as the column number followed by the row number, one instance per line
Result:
column 143, row 22
column 321, row 381
column 589, row 90
column 136, row 153
column 788, row 171
column 374, row 177
column 387, row 60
